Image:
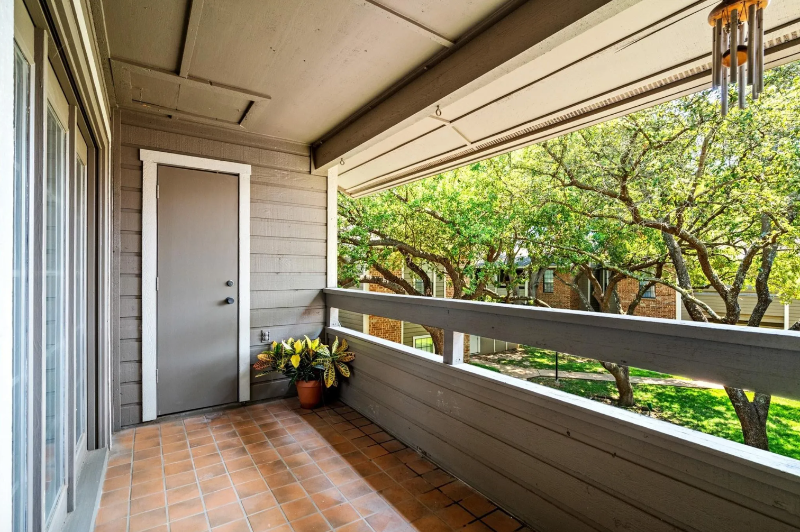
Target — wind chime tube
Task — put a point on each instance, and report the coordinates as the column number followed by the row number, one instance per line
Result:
column 724, row 85
column 761, row 43
column 719, row 48
column 751, row 39
column 734, row 39
column 742, row 76
column 714, row 47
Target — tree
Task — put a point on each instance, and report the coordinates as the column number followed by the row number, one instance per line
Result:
column 721, row 193
column 460, row 224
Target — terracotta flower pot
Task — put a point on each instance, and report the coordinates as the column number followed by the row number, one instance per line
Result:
column 309, row 393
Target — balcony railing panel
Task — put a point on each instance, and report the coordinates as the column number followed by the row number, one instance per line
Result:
column 755, row 359
column 562, row 462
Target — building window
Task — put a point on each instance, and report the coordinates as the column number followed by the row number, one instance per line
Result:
column 20, row 290
column 650, row 293
column 548, row 281
column 79, row 302
column 419, row 286
column 423, row 343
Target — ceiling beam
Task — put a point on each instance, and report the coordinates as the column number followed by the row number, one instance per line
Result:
column 410, row 23
column 192, row 26
column 529, row 31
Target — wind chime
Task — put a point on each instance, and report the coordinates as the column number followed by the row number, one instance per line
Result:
column 738, row 47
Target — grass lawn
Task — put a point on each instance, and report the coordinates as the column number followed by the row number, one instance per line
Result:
column 708, row 411
column 534, row 357
column 704, row 410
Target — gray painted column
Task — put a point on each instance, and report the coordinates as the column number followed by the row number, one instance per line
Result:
column 453, row 347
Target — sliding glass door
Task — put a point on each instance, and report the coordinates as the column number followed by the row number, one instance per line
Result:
column 56, row 238
column 21, row 289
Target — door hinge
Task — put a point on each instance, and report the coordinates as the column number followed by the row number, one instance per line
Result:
column 157, row 284
column 156, row 375
column 158, row 191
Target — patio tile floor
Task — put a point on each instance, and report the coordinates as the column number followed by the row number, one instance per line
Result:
column 275, row 467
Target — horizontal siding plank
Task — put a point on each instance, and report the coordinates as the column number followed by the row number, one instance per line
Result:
column 130, row 350
column 130, row 157
column 291, row 230
column 286, row 281
column 131, row 199
column 132, row 178
column 130, row 263
column 130, row 307
column 286, row 298
column 278, row 194
column 130, row 328
column 130, row 285
column 283, row 332
column 131, row 415
column 273, row 176
column 130, row 242
column 130, row 372
column 292, row 213
column 275, row 246
column 671, row 478
column 286, row 264
column 131, row 393
column 213, row 149
column 131, row 221
column 265, row 318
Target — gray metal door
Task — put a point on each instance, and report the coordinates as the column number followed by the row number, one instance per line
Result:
column 198, row 257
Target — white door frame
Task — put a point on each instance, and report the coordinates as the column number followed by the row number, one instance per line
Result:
column 150, row 161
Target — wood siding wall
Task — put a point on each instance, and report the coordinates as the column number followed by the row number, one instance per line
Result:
column 773, row 318
column 288, row 232
column 561, row 462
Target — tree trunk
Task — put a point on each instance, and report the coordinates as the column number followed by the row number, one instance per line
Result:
column 752, row 416
column 437, row 335
column 622, row 377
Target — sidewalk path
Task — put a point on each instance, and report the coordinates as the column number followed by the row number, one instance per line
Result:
column 530, row 373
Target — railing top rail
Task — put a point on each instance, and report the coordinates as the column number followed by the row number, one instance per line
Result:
column 756, row 359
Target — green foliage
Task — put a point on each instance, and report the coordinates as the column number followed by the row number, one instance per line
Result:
column 306, row 360
column 536, row 358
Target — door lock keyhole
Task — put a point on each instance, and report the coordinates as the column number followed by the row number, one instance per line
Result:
column 229, row 283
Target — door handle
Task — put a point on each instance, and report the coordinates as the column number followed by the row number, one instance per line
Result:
column 229, row 300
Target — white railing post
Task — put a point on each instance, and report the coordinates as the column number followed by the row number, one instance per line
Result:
column 332, row 241
column 453, row 347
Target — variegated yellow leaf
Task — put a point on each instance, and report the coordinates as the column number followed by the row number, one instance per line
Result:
column 265, row 357
column 330, row 376
column 343, row 369
column 274, row 345
column 315, row 344
column 295, row 360
column 347, row 357
column 298, row 346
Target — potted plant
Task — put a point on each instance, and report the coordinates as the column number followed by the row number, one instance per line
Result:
column 309, row 364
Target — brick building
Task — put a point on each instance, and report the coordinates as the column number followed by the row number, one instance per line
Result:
column 659, row 303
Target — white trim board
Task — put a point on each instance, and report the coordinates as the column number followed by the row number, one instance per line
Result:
column 150, row 161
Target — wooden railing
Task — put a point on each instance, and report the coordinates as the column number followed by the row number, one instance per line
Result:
column 754, row 359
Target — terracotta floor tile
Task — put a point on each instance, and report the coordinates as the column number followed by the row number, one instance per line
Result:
column 355, row 489
column 248, row 489
column 112, row 512
column 411, row 510
column 177, row 457
column 477, row 526
column 207, row 473
column 297, row 509
column 148, row 520
column 147, row 488
column 401, row 473
column 207, row 460
column 215, row 484
column 417, row 486
column 455, row 516
column 236, row 526
column 118, row 525
column 341, row 515
column 242, row 476
column 185, row 509
column 145, row 504
column 430, row 523
column 312, row 523
column 271, row 468
column 435, row 500
column 280, row 479
column 366, row 469
column 110, row 498
column 181, row 479
column 478, row 505
column 148, row 453
column 195, row 523
column 174, row 447
column 220, row 498
column 183, row 493
column 316, row 484
column 358, row 526
column 499, row 521
column 178, row 467
column 259, row 503
column 297, row 460
column 387, row 461
column 265, row 456
column 328, row 499
column 395, row 494
column 369, row 504
column 386, row 521
column 225, row 514
column 288, row 493
column 343, row 476
column 380, row 481
column 306, row 471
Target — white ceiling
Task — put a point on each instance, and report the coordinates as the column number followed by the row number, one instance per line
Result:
column 306, row 70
